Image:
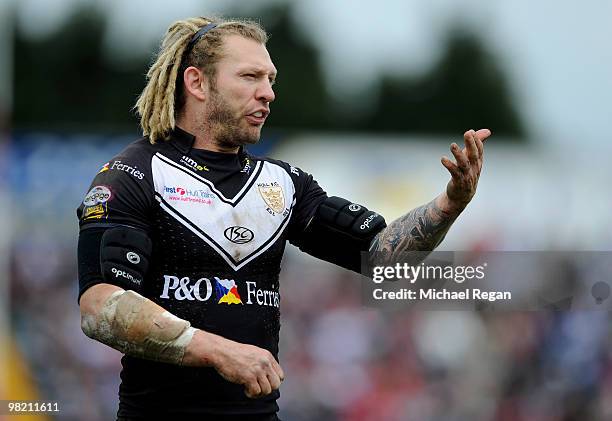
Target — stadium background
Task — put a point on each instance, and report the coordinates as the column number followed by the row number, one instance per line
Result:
column 368, row 100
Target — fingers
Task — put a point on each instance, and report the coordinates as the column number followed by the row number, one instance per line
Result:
column 274, row 381
column 469, row 138
column 264, row 383
column 466, row 171
column 258, row 386
column 483, row 134
column 267, row 378
column 451, row 167
column 480, row 147
column 460, row 157
column 276, row 375
column 472, row 154
column 479, row 138
column 252, row 389
column 278, row 370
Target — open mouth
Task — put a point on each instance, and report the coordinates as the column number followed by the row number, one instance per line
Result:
column 258, row 117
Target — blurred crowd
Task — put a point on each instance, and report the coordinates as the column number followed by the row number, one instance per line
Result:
column 343, row 361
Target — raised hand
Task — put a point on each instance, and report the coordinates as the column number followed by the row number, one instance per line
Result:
column 466, row 171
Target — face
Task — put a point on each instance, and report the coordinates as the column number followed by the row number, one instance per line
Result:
column 239, row 100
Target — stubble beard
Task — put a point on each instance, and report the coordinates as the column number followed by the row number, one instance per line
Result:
column 226, row 127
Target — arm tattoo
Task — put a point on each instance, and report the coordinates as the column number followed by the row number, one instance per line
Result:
column 421, row 229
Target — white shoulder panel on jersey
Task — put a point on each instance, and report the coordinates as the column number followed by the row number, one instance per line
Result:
column 239, row 228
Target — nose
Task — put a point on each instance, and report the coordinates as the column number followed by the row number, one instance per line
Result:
column 265, row 92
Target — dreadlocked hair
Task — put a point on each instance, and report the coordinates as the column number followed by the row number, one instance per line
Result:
column 163, row 97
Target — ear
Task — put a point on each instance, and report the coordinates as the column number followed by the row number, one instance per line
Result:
column 195, row 83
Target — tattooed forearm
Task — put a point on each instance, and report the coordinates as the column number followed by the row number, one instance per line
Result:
column 421, row 229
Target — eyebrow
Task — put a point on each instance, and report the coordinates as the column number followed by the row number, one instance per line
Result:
column 260, row 71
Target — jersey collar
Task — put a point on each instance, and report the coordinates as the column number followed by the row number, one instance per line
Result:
column 183, row 141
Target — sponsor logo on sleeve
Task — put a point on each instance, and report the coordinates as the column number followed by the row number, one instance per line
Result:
column 95, row 212
column 239, row 235
column 123, row 274
column 132, row 170
column 132, row 257
column 354, row 207
column 366, row 223
column 97, row 195
column 104, row 168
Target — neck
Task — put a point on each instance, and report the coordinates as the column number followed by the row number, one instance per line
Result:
column 204, row 138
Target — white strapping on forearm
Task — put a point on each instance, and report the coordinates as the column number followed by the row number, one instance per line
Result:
column 134, row 325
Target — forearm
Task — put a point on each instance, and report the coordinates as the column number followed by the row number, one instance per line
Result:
column 138, row 327
column 421, row 229
column 202, row 349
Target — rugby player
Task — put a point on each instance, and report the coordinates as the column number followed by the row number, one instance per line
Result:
column 182, row 233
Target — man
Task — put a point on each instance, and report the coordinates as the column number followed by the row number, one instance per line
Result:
column 183, row 232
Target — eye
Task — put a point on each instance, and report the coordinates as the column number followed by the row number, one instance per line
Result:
column 250, row 75
column 272, row 81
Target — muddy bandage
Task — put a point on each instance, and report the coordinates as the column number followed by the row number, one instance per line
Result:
column 138, row 327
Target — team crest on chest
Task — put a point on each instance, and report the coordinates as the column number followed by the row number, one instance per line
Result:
column 272, row 194
column 239, row 228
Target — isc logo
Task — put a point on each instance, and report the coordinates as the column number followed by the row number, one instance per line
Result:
column 239, row 235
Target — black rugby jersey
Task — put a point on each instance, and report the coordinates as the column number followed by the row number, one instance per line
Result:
column 218, row 223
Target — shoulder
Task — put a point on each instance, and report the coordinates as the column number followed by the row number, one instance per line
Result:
column 122, row 188
column 303, row 183
column 136, row 158
column 132, row 163
column 139, row 151
column 292, row 171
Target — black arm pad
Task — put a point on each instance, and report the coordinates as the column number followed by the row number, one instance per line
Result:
column 124, row 256
column 340, row 231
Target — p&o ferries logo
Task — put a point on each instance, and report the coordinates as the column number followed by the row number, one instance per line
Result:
column 225, row 291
